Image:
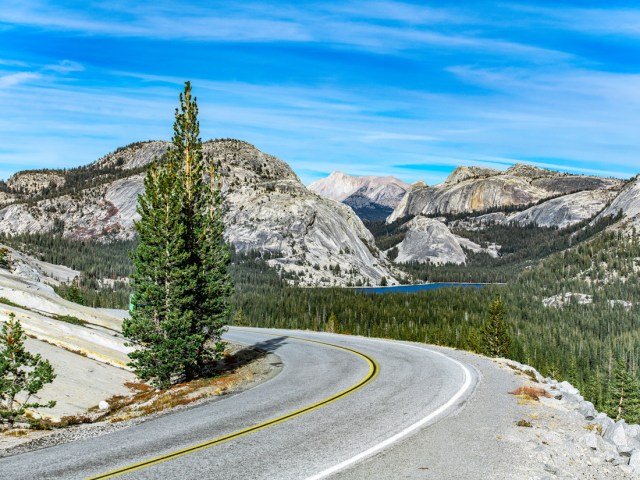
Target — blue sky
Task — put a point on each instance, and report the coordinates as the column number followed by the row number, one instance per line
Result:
column 410, row 89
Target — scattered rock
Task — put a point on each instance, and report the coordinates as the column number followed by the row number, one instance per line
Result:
column 615, row 434
column 587, row 410
column 625, row 450
column 562, row 299
column 103, row 405
column 604, row 421
column 634, row 461
column 590, row 440
column 620, row 303
column 620, row 461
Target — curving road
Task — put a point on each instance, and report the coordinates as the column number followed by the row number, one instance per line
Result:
column 340, row 406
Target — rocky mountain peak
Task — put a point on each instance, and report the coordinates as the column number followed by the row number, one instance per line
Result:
column 372, row 198
column 269, row 211
column 386, row 191
column 531, row 171
column 34, row 182
column 240, row 162
column 460, row 174
column 132, row 156
column 473, row 189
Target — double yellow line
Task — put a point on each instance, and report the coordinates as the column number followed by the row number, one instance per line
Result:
column 373, row 372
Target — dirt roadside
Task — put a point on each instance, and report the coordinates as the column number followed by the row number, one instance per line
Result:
column 241, row 369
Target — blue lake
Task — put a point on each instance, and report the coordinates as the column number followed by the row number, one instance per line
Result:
column 418, row 288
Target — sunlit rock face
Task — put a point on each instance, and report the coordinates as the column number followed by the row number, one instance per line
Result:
column 628, row 203
column 372, row 198
column 472, row 189
column 429, row 240
column 268, row 209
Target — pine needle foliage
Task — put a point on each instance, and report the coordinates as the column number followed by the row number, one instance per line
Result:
column 495, row 333
column 180, row 280
column 624, row 395
column 22, row 374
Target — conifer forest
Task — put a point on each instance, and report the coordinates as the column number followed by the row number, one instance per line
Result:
column 592, row 345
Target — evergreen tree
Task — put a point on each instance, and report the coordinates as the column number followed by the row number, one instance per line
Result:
column 180, row 280
column 624, row 394
column 495, row 334
column 22, row 374
column 332, row 324
column 5, row 258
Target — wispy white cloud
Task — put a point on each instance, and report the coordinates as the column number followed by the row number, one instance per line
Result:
column 614, row 21
column 407, row 13
column 13, row 79
column 12, row 63
column 65, row 66
column 394, row 136
column 355, row 25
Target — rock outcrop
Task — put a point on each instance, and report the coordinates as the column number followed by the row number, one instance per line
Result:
column 268, row 210
column 30, row 183
column 429, row 240
column 604, row 447
column 470, row 189
column 562, row 299
column 460, row 174
column 564, row 211
column 628, row 203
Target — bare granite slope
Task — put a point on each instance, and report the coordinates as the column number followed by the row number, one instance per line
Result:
column 470, row 189
column 627, row 203
column 268, row 210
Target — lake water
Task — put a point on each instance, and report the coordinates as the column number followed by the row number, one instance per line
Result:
column 417, row 288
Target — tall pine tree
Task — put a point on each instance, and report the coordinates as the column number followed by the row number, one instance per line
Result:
column 495, row 333
column 180, row 280
column 624, row 394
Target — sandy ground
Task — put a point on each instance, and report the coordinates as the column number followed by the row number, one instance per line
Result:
column 246, row 368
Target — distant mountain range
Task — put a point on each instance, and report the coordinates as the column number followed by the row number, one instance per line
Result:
column 371, row 198
column 309, row 237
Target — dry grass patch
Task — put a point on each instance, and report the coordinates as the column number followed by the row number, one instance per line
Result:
column 146, row 400
column 526, row 373
column 594, row 427
column 235, row 368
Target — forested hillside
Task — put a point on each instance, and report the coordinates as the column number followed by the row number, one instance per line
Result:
column 582, row 343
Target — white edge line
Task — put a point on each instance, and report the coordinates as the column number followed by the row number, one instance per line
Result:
column 410, row 429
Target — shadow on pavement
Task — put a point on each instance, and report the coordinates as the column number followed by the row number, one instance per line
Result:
column 244, row 356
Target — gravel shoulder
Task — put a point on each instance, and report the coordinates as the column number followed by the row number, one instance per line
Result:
column 483, row 440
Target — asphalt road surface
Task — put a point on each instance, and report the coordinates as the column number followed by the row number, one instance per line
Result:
column 338, row 401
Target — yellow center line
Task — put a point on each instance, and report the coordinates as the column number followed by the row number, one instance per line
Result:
column 373, row 372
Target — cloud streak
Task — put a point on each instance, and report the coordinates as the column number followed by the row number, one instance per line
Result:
column 411, row 89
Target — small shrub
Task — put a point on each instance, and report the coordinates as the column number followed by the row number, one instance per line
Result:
column 5, row 258
column 6, row 301
column 71, row 319
column 524, row 423
column 40, row 424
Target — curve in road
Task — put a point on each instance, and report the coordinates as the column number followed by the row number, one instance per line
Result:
column 413, row 388
column 373, row 372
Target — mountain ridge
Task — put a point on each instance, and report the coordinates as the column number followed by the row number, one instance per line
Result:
column 309, row 239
